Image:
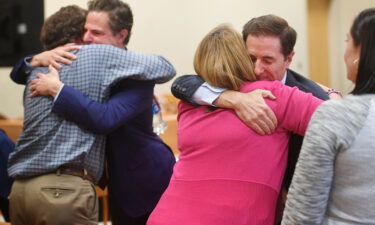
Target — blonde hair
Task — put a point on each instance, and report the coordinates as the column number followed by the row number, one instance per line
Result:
column 221, row 59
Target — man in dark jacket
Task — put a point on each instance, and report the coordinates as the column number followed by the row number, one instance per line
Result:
column 6, row 147
column 270, row 41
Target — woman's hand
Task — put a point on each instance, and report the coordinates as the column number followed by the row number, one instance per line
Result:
column 46, row 84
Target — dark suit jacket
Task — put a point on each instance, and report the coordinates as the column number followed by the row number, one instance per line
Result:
column 294, row 79
column 185, row 86
column 20, row 72
column 6, row 147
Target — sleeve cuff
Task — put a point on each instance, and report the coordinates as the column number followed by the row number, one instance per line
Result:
column 58, row 93
column 28, row 66
column 207, row 94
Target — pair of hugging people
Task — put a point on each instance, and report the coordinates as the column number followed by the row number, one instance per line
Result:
column 193, row 183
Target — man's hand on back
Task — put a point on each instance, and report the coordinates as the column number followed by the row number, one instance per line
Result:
column 55, row 56
column 46, row 84
column 251, row 109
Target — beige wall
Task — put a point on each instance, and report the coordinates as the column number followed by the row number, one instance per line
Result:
column 10, row 95
column 341, row 16
column 174, row 28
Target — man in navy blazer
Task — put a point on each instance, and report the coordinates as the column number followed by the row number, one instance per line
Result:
column 270, row 42
column 139, row 163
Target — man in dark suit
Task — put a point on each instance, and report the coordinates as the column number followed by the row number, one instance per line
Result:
column 270, row 42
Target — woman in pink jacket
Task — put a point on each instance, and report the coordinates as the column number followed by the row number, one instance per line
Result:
column 226, row 173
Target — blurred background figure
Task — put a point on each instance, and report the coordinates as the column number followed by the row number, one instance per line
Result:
column 6, row 147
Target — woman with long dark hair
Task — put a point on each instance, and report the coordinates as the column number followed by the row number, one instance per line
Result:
column 334, row 179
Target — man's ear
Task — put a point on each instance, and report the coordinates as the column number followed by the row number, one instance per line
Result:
column 120, row 36
column 289, row 58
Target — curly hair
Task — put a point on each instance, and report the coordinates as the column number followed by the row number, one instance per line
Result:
column 64, row 26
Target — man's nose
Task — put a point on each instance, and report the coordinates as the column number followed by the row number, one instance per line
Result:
column 87, row 37
column 259, row 69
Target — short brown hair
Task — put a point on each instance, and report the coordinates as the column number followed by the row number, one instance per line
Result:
column 271, row 25
column 120, row 15
column 222, row 60
column 64, row 26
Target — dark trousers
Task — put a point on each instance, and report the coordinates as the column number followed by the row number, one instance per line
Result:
column 4, row 207
column 120, row 217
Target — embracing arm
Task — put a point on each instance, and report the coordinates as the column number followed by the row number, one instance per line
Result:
column 249, row 107
column 134, row 65
column 20, row 71
column 133, row 98
column 295, row 108
column 165, row 71
column 185, row 86
column 53, row 57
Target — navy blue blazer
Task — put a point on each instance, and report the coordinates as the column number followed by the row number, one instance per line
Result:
column 185, row 86
column 20, row 72
column 139, row 163
column 6, row 147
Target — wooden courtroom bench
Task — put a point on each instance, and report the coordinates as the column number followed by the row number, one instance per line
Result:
column 12, row 127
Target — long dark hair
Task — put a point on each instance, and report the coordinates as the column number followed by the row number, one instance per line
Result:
column 363, row 34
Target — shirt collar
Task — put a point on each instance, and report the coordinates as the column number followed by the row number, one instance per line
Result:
column 284, row 78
